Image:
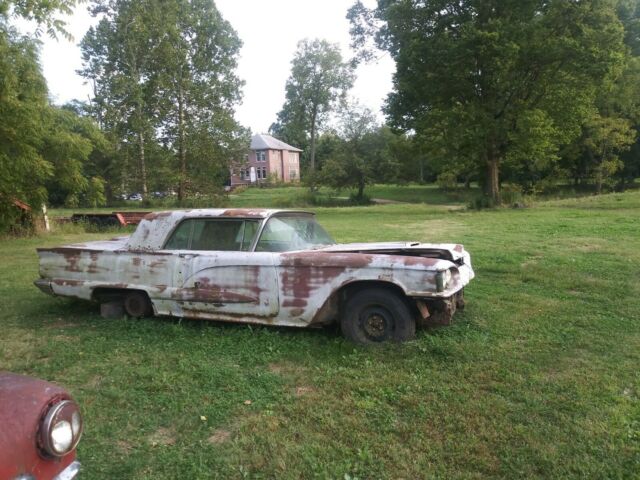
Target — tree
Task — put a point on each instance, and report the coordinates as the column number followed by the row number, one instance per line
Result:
column 364, row 156
column 116, row 56
column 195, row 65
column 42, row 12
column 494, row 82
column 164, row 80
column 68, row 146
column 318, row 83
column 23, row 111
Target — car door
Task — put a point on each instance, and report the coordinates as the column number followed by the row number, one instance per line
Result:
column 217, row 272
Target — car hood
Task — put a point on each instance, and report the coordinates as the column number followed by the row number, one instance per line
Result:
column 446, row 251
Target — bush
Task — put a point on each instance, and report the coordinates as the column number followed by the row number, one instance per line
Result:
column 481, row 202
column 447, row 181
column 511, row 194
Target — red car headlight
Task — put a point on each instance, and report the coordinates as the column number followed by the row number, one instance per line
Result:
column 61, row 429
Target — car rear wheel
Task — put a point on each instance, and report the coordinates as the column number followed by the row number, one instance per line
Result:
column 137, row 304
column 377, row 315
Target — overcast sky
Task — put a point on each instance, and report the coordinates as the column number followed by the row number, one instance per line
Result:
column 269, row 30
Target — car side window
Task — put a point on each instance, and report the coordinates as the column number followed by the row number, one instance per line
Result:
column 213, row 234
column 221, row 235
column 249, row 234
column 181, row 236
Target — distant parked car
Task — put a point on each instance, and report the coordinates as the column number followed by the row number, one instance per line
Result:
column 272, row 267
column 136, row 197
column 40, row 427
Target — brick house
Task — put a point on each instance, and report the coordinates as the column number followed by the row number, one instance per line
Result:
column 268, row 156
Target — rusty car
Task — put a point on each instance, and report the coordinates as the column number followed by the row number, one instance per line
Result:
column 40, row 427
column 273, row 267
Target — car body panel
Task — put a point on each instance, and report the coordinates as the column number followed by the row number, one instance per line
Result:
column 23, row 402
column 289, row 288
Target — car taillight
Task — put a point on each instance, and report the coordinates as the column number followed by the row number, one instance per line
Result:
column 61, row 429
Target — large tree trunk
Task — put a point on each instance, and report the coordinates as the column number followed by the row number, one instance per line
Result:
column 599, row 179
column 143, row 167
column 182, row 150
column 312, row 155
column 493, row 178
column 361, row 186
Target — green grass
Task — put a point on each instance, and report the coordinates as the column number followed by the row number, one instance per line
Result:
column 537, row 378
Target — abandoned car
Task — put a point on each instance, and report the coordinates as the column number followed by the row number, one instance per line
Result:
column 274, row 267
column 40, row 428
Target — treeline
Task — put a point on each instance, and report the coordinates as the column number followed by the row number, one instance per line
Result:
column 524, row 93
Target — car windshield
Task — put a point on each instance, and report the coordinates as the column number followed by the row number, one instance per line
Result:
column 295, row 232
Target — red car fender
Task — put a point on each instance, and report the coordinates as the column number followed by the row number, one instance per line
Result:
column 23, row 403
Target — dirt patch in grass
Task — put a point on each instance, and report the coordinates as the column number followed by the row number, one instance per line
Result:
column 219, row 436
column 286, row 368
column 163, row 436
column 303, row 390
column 124, row 447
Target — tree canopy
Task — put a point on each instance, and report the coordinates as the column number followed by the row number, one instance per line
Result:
column 164, row 81
column 318, row 84
column 493, row 84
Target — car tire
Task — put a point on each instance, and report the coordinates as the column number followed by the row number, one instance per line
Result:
column 137, row 305
column 377, row 315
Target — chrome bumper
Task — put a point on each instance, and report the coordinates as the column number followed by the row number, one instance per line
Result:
column 70, row 472
column 44, row 285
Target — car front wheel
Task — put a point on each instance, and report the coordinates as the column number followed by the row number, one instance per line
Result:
column 377, row 315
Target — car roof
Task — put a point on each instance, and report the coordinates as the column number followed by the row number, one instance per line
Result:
column 155, row 227
column 223, row 212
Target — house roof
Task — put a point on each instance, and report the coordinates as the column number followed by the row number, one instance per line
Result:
column 262, row 141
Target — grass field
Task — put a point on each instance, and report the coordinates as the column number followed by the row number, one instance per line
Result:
column 538, row 378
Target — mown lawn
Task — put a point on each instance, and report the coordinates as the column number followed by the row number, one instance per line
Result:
column 537, row 378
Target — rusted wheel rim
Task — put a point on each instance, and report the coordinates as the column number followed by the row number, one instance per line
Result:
column 376, row 323
column 136, row 305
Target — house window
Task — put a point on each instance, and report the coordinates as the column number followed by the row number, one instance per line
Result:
column 264, row 172
column 261, row 156
column 293, row 173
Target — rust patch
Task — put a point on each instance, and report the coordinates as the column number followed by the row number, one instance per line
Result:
column 245, row 212
column 326, row 259
column 136, row 261
column 72, row 263
column 422, row 308
column 458, row 248
column 155, row 215
column 158, row 263
column 205, row 291
column 67, row 283
column 417, row 261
